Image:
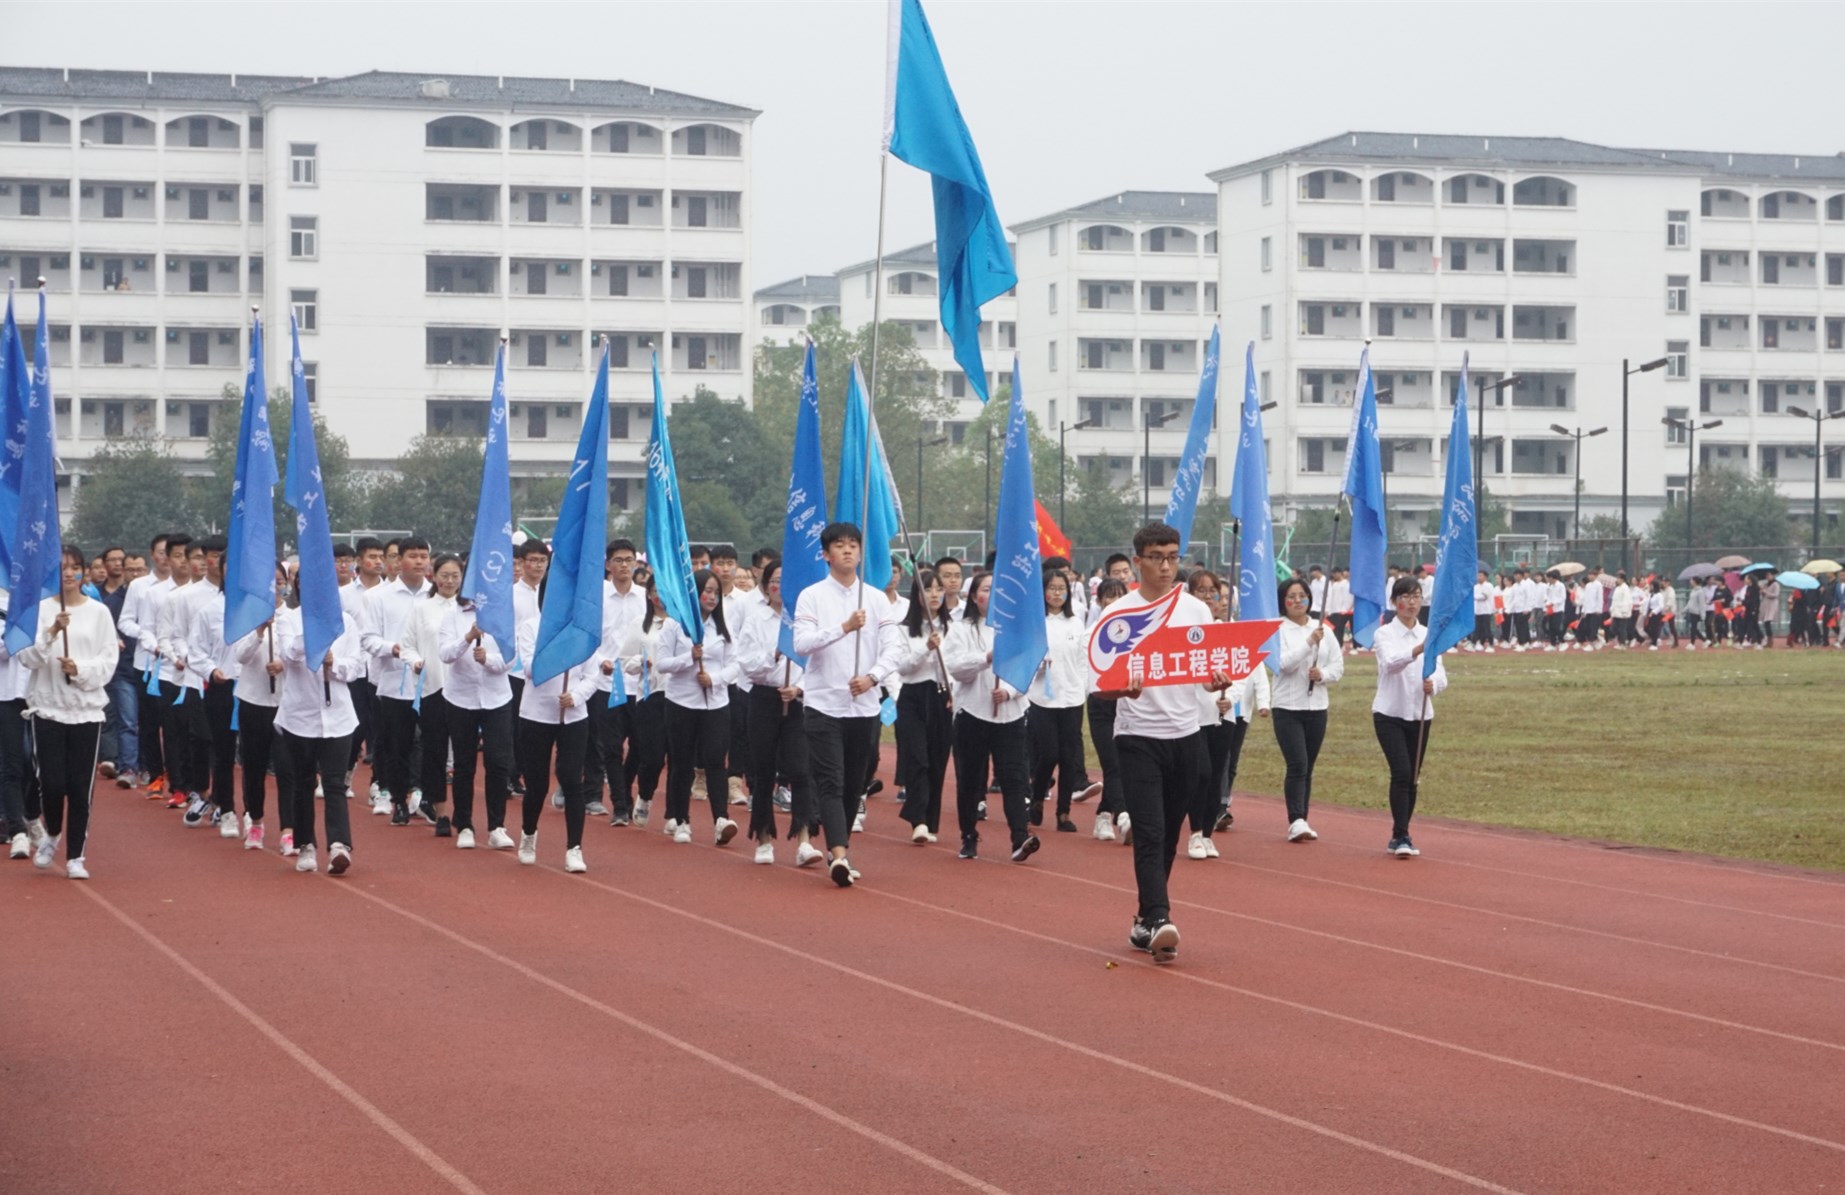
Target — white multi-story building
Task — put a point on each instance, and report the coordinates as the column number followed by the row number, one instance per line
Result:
column 784, row 310
column 407, row 220
column 1556, row 261
column 912, row 299
column 1116, row 300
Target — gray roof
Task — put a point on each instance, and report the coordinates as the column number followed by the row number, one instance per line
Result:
column 1818, row 167
column 143, row 86
column 807, row 287
column 915, row 255
column 1185, row 207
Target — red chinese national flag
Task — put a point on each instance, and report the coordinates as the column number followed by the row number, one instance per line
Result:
column 1051, row 539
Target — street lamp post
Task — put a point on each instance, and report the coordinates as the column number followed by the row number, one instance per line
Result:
column 1479, row 450
column 1626, row 372
column 1691, row 430
column 920, row 445
column 987, row 527
column 1579, row 436
column 1148, row 423
column 1819, row 418
column 1064, row 429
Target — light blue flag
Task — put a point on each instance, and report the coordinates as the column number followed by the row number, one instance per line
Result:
column 303, row 489
column 668, row 553
column 873, row 511
column 1457, row 556
column 1016, row 605
column 1255, row 584
column 38, row 548
column 570, row 625
column 1182, row 507
column 1364, row 484
column 923, row 126
column 249, row 566
column 803, row 560
column 15, row 381
column 489, row 583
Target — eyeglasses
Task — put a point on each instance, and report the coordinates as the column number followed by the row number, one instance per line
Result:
column 1162, row 558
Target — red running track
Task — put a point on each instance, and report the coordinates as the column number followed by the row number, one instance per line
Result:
column 1511, row 1012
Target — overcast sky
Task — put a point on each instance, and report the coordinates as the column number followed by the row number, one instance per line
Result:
column 1068, row 100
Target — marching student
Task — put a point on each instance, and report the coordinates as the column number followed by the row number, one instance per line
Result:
column 697, row 679
column 187, row 714
column 989, row 728
column 534, row 558
column 211, row 663
column 948, row 571
column 71, row 661
column 1307, row 663
column 925, row 708
column 157, row 630
column 1340, row 606
column 430, row 676
column 359, row 568
column 314, row 723
column 554, row 714
column 480, row 721
column 1111, row 815
column 19, row 792
column 258, row 693
column 1054, row 720
column 136, row 630
column 640, row 664
column 613, row 738
column 777, row 726
column 737, row 603
column 120, row 742
column 1589, row 607
column 1621, row 611
column 1483, row 593
column 1401, row 712
column 843, row 627
column 1556, row 605
column 1232, row 708
column 384, row 633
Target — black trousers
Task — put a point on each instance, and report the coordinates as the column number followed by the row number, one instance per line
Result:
column 256, row 744
column 178, row 738
column 394, row 731
column 220, row 705
column 66, row 753
column 979, row 743
column 1056, row 745
column 1341, row 624
column 1299, row 733
column 925, row 738
column 838, row 749
column 1161, row 777
column 1521, row 626
column 432, row 764
column 1483, row 630
column 518, row 697
column 736, row 755
column 536, row 741
column 1221, row 740
column 474, row 733
column 612, row 745
column 1102, row 734
column 19, row 787
column 364, row 704
column 1233, row 754
column 1398, row 737
column 1587, row 626
column 300, row 764
column 778, row 747
column 147, row 719
column 649, row 734
column 696, row 738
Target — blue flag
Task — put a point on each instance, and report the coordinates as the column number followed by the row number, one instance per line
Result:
column 923, row 126
column 668, row 553
column 1182, row 507
column 1457, row 556
column 489, row 583
column 570, row 625
column 873, row 511
column 803, row 561
column 1255, row 584
column 303, row 489
column 1016, row 606
column 249, row 566
column 38, row 548
column 1364, row 484
column 15, row 380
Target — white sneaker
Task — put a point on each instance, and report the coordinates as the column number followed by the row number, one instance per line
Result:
column 670, row 828
column 765, row 852
column 464, row 840
column 920, row 835
column 1104, row 827
column 76, row 870
column 1124, row 825
column 1094, row 790
column 288, row 844
column 1308, row 831
column 1194, row 848
column 306, row 861
column 682, row 833
column 1299, row 830
column 528, row 849
column 858, row 824
column 1210, row 850
column 381, row 803
column 253, row 837
column 573, row 861
column 229, row 827
column 557, row 798
column 339, row 858
column 499, row 840
column 45, row 851
column 19, row 846
column 725, row 831
column 641, row 810
column 806, row 855
column 841, row 872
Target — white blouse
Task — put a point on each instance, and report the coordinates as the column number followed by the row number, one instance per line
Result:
column 966, row 648
column 1063, row 679
column 1399, row 672
column 1296, row 655
column 679, row 671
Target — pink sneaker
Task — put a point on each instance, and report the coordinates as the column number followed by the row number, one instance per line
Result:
column 253, row 838
column 288, row 843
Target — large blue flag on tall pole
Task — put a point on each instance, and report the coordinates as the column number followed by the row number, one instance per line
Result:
column 1457, row 556
column 923, row 126
column 803, row 560
column 872, row 510
column 15, row 381
column 1182, row 507
column 668, row 553
column 249, row 566
column 1249, row 506
column 570, row 625
column 303, row 489
column 38, row 547
column 1015, row 607
column 489, row 583
column 1364, row 484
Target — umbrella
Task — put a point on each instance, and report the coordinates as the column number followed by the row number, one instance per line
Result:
column 1732, row 561
column 1798, row 581
column 1700, row 572
column 1607, row 580
column 1816, row 567
column 1760, row 566
column 1569, row 568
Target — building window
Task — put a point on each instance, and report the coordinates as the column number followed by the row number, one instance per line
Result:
column 1313, row 456
column 1268, row 321
column 1675, row 431
column 306, row 304
column 198, row 420
column 537, row 424
column 29, row 127
column 198, row 133
column 28, row 199
column 304, row 237
column 1051, row 361
column 1678, row 230
column 1053, row 298
column 1262, row 386
column 310, row 379
column 1678, row 293
column 1678, row 363
column 301, row 165
column 1268, row 186
column 1053, row 230
column 1268, row 253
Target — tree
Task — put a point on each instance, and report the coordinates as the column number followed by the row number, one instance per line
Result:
column 132, row 491
column 345, row 489
column 1099, row 514
column 433, row 489
column 1733, row 510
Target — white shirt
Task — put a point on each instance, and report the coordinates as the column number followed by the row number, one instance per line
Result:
column 314, row 706
column 525, row 605
column 759, row 656
column 1244, row 696
column 679, row 671
column 169, row 627
column 834, row 656
column 386, row 625
column 538, row 703
column 966, row 648
column 471, row 685
column 352, row 601
column 14, row 676
column 1341, row 600
column 1399, row 672
column 93, row 645
column 137, row 626
column 1555, row 597
column 424, row 637
column 620, row 611
column 1621, row 601
column 640, row 658
column 206, row 650
column 1483, row 598
column 252, row 653
column 1063, row 679
column 918, row 664
column 1590, row 600
column 1295, row 656
column 1161, row 711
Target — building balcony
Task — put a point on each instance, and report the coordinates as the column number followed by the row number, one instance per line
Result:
column 1104, row 238
column 104, row 346
column 1403, row 255
column 1551, row 324
column 1723, row 331
column 1322, row 387
column 1105, row 295
column 1789, row 269
column 538, row 276
column 1409, row 390
column 1720, row 203
column 35, row 199
column 200, row 204
column 1336, row 186
column 1544, row 257
column 545, row 206
column 622, row 208
column 710, row 174
column 705, row 209
column 461, row 203
column 1545, row 391
column 1788, row 334
column 1403, row 187
column 117, row 419
column 124, row 200
column 1108, row 414
column 1790, row 206
column 1723, row 397
column 707, row 355
column 1724, row 267
column 1105, row 355
column 709, row 281
column 1169, row 356
column 1403, row 321
column 1483, row 324
column 1333, row 320
column 1466, row 255
column 456, row 274
column 1323, row 251
column 1176, row 297
column 29, row 129
column 216, row 348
